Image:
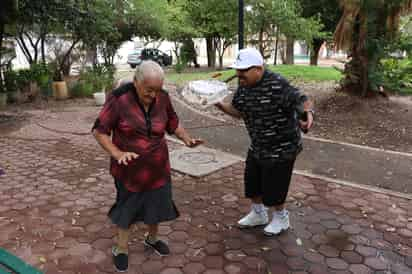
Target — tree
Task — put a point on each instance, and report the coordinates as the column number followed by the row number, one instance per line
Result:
column 216, row 21
column 36, row 19
column 179, row 27
column 267, row 20
column 365, row 29
column 328, row 14
column 7, row 18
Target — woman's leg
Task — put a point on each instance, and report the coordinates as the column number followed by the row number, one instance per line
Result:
column 123, row 240
column 153, row 229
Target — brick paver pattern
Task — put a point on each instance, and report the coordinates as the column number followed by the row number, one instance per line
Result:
column 56, row 191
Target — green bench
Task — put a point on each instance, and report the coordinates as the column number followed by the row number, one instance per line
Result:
column 10, row 264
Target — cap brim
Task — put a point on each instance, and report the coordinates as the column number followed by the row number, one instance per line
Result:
column 235, row 66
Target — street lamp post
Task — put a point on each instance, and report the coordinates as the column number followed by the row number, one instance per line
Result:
column 241, row 24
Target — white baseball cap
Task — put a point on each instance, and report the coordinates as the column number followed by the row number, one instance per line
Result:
column 247, row 58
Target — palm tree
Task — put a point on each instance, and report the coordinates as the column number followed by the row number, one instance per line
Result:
column 365, row 28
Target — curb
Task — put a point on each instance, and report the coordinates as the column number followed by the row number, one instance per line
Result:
column 324, row 178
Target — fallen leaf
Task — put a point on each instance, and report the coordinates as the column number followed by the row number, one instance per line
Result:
column 197, row 252
column 42, row 260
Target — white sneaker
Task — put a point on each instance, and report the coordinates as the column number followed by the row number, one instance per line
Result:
column 277, row 225
column 254, row 219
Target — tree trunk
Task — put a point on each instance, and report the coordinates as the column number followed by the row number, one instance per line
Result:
column 363, row 54
column 211, row 52
column 357, row 70
column 220, row 61
column 261, row 46
column 34, row 46
column 176, row 51
column 276, row 46
column 65, row 63
column 24, row 49
column 43, row 51
column 219, row 43
column 1, row 45
column 314, row 54
column 290, row 51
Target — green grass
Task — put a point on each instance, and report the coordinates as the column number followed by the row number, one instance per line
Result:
column 291, row 72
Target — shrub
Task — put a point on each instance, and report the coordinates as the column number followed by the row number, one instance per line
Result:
column 82, row 89
column 10, row 81
column 100, row 77
column 397, row 75
column 179, row 67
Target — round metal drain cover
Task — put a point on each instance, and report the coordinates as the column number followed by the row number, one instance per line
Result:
column 198, row 158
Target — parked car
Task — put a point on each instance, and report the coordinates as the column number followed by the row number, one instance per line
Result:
column 137, row 56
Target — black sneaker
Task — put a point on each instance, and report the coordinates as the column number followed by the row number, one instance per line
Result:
column 159, row 247
column 120, row 260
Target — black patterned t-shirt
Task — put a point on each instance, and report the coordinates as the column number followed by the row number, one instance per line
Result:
column 270, row 110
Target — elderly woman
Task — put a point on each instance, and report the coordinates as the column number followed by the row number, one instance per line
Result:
column 136, row 116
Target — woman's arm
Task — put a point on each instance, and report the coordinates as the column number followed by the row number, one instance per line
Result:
column 182, row 134
column 105, row 141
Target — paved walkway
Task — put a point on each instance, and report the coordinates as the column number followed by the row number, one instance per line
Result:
column 56, row 191
column 344, row 162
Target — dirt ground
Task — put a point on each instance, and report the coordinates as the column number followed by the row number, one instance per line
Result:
column 377, row 122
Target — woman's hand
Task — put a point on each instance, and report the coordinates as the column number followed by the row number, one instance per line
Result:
column 181, row 133
column 125, row 157
column 190, row 142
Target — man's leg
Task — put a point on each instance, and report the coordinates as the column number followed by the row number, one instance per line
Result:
column 253, row 190
column 275, row 193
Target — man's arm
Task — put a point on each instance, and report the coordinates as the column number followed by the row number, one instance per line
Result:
column 229, row 109
column 308, row 109
column 106, row 142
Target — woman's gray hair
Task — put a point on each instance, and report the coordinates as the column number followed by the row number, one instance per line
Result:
column 149, row 69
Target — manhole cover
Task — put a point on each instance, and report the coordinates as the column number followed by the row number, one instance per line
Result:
column 198, row 158
column 200, row 161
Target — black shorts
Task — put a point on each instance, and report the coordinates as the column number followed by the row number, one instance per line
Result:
column 268, row 179
column 150, row 207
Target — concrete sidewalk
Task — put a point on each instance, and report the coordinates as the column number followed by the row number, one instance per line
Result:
column 56, row 191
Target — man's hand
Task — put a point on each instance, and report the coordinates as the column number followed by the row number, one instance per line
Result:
column 190, row 142
column 228, row 109
column 125, row 157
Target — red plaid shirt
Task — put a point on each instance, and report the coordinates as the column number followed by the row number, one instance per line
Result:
column 135, row 130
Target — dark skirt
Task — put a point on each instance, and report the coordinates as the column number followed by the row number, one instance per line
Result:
column 149, row 207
